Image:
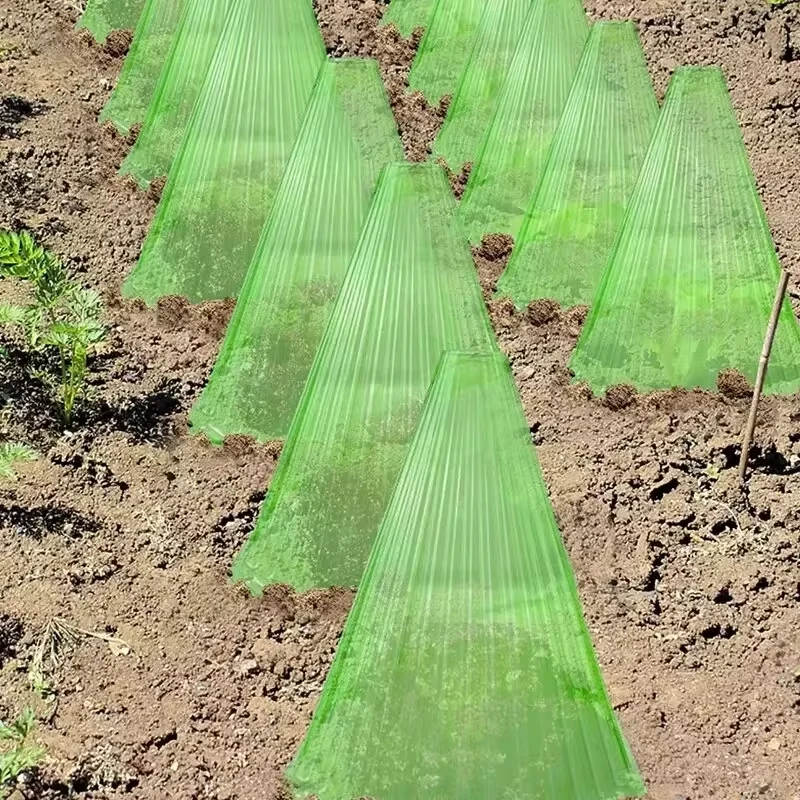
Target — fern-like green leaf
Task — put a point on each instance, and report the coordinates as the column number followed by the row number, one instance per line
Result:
column 23, row 756
column 11, row 314
column 18, row 252
column 11, row 454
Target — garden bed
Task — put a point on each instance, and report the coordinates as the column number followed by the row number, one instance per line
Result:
column 127, row 525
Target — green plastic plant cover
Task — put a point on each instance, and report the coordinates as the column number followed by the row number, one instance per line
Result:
column 348, row 135
column 137, row 81
column 103, row 16
column 691, row 279
column 465, row 669
column 481, row 82
column 407, row 15
column 598, row 150
column 231, row 160
column 445, row 48
column 514, row 151
column 410, row 293
column 177, row 89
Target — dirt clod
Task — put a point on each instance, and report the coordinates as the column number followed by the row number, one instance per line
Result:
column 542, row 311
column 496, row 247
column 733, row 384
column 618, row 397
column 118, row 43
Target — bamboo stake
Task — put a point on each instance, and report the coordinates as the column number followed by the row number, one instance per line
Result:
column 762, row 372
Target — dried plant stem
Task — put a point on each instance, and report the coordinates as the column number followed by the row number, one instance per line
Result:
column 762, row 372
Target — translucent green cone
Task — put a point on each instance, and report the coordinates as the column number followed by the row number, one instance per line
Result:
column 137, row 82
column 231, row 160
column 514, row 151
column 348, row 135
column 481, row 82
column 445, row 48
column 406, row 15
column 103, row 16
column 465, row 669
column 597, row 153
column 177, row 89
column 692, row 276
column 410, row 293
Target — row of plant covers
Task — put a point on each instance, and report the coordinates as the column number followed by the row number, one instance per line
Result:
column 653, row 219
column 465, row 669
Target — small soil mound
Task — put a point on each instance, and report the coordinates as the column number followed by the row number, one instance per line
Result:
column 495, row 247
column 156, row 188
column 502, row 312
column 172, row 311
column 213, row 316
column 239, row 444
column 118, row 43
column 618, row 397
column 733, row 384
column 542, row 311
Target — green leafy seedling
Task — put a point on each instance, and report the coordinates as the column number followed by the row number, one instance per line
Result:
column 712, row 471
column 62, row 317
column 11, row 454
column 18, row 753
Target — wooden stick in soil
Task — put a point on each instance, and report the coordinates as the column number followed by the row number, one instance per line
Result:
column 762, row 372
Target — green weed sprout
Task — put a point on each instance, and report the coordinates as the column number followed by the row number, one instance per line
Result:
column 11, row 454
column 60, row 318
column 17, row 753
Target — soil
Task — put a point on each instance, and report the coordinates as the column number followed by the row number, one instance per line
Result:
column 126, row 525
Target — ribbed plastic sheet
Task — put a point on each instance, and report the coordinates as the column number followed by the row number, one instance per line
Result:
column 410, row 293
column 691, row 280
column 232, row 158
column 514, row 151
column 476, row 96
column 465, row 669
column 177, row 88
column 406, row 15
column 598, row 151
column 445, row 48
column 139, row 76
column 347, row 136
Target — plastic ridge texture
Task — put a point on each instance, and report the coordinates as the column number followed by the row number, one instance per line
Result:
column 512, row 157
column 408, row 15
column 138, row 79
column 445, row 48
column 100, row 17
column 347, row 136
column 465, row 669
column 598, row 150
column 481, row 83
column 410, row 293
column 691, row 280
column 231, row 160
column 177, row 89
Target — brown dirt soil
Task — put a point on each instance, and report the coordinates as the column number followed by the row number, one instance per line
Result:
column 127, row 524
